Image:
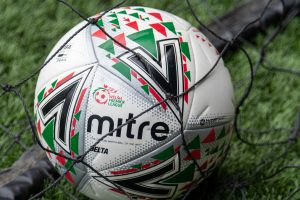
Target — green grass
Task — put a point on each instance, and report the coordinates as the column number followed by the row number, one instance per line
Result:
column 30, row 29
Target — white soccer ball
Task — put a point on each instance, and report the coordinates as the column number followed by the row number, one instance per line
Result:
column 94, row 84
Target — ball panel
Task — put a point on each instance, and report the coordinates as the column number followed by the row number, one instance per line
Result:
column 118, row 103
column 76, row 53
column 216, row 106
column 147, row 32
column 60, row 108
column 179, row 23
column 207, row 146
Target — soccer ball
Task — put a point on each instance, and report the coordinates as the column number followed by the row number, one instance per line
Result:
column 96, row 83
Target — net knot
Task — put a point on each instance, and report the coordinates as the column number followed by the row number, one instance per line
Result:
column 79, row 159
column 16, row 138
column 7, row 87
column 93, row 20
column 170, row 96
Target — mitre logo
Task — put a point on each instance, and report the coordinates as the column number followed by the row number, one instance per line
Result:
column 135, row 129
column 108, row 95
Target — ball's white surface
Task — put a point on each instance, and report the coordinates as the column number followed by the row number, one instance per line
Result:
column 106, row 94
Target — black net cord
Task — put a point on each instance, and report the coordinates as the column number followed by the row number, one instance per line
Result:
column 243, row 25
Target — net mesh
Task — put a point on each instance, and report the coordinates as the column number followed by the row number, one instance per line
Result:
column 265, row 73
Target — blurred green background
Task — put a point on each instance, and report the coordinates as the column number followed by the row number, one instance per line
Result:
column 29, row 29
